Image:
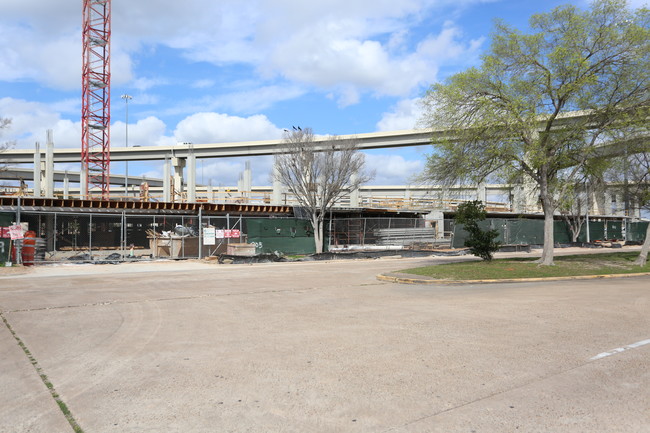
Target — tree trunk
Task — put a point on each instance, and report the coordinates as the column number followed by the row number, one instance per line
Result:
column 575, row 230
column 317, row 224
column 549, row 238
column 643, row 255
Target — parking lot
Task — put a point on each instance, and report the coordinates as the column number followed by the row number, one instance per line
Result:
column 319, row 347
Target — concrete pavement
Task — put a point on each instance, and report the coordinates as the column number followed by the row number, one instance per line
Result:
column 320, row 347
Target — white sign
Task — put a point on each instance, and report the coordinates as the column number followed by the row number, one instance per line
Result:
column 15, row 232
column 209, row 235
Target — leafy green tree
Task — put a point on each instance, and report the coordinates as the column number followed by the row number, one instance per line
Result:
column 541, row 104
column 480, row 242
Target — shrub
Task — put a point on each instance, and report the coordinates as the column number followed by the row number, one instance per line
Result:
column 481, row 243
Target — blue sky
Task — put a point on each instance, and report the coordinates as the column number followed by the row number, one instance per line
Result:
column 233, row 70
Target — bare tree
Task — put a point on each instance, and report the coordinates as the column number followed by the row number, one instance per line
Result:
column 318, row 173
column 633, row 171
column 642, row 195
column 573, row 211
column 573, row 204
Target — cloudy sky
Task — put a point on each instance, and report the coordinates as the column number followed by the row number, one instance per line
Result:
column 235, row 70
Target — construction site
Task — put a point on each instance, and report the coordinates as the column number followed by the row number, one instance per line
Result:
column 93, row 215
column 509, row 294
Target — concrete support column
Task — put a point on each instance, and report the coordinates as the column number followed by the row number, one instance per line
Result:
column 354, row 193
column 167, row 196
column 437, row 219
column 179, row 165
column 635, row 212
column 596, row 201
column 620, row 206
column 209, row 194
column 607, row 209
column 408, row 194
column 276, row 195
column 50, row 228
column 240, row 185
column 49, row 166
column 191, row 178
column 248, row 180
column 481, row 193
column 444, row 197
column 37, row 170
column 66, row 186
column 517, row 199
column 525, row 197
column 83, row 186
column 366, row 197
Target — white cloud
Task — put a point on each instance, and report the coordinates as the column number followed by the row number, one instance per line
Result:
column 226, row 171
column 333, row 56
column 339, row 46
column 31, row 120
column 256, row 99
column 392, row 169
column 206, row 127
column 216, row 127
column 445, row 45
column 250, row 100
column 405, row 115
column 144, row 84
column 28, row 55
column 203, row 84
column 149, row 131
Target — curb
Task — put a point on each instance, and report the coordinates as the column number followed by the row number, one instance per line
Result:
column 397, row 278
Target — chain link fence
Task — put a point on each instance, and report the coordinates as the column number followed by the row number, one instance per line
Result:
column 66, row 236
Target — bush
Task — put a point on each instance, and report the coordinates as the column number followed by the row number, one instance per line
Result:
column 481, row 243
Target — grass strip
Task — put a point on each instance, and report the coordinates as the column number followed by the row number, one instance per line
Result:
column 565, row 266
column 57, row 398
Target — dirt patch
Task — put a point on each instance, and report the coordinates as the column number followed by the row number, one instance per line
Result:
column 14, row 270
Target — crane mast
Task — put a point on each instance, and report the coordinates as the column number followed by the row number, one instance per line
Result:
column 96, row 99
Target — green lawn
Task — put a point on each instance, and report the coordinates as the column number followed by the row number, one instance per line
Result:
column 565, row 266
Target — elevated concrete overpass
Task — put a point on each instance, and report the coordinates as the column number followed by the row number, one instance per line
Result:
column 373, row 140
column 181, row 156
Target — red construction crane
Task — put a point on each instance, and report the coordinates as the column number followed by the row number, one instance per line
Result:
column 96, row 97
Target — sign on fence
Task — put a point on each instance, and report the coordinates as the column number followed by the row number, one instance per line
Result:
column 221, row 234
column 15, row 232
column 209, row 236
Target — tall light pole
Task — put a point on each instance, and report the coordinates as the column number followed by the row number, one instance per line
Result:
column 126, row 175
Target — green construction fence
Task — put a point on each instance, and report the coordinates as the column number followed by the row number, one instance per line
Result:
column 521, row 231
column 284, row 235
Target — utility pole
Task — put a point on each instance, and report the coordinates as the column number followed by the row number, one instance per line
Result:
column 126, row 98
